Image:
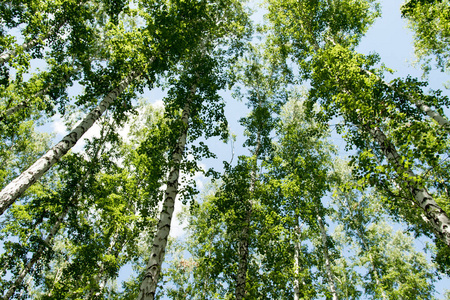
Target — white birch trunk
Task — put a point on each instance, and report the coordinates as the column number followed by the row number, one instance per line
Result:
column 331, row 282
column 58, row 276
column 365, row 248
column 436, row 216
column 153, row 268
column 27, row 284
column 241, row 279
column 6, row 56
column 21, row 105
column 49, row 239
column 375, row 272
column 19, row 185
column 15, row 109
column 297, row 246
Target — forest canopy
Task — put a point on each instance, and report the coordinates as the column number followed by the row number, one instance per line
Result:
column 289, row 215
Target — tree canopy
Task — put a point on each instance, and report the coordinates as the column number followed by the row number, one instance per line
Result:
column 292, row 216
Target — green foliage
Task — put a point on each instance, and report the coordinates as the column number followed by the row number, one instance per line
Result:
column 394, row 267
column 94, row 213
column 300, row 28
column 429, row 22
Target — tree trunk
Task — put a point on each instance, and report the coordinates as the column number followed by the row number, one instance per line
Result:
column 436, row 216
column 49, row 239
column 153, row 269
column 4, row 268
column 375, row 275
column 330, row 275
column 441, row 120
column 19, row 106
column 297, row 247
column 101, row 279
column 58, row 276
column 241, row 279
column 27, row 284
column 19, row 185
column 6, row 56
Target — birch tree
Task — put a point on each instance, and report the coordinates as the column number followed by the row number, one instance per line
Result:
column 102, row 230
column 72, row 33
column 38, row 246
column 195, row 95
column 193, row 98
column 19, row 185
column 41, row 166
column 339, row 99
column 263, row 84
column 151, row 277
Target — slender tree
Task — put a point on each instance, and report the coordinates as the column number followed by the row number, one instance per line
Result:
column 258, row 124
column 196, row 92
column 151, row 277
column 301, row 171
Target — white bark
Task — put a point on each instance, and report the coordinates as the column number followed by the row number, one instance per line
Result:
column 365, row 247
column 6, row 56
column 241, row 278
column 6, row 266
column 19, row 185
column 21, row 105
column 15, row 109
column 436, row 216
column 297, row 247
column 58, row 276
column 49, row 239
column 374, row 271
column 330, row 275
column 27, row 284
column 153, row 269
